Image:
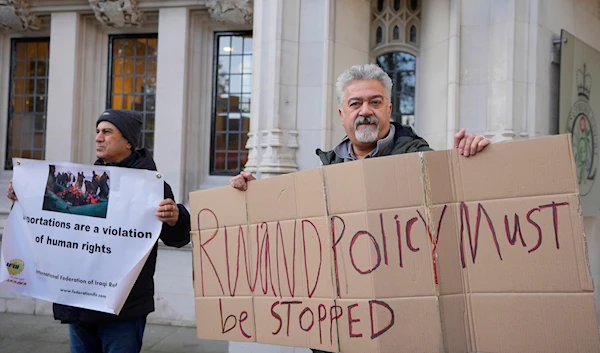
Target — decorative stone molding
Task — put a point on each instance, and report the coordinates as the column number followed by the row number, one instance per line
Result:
column 253, row 147
column 117, row 13
column 15, row 16
column 277, row 157
column 231, row 11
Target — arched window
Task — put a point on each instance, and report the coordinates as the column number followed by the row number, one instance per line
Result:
column 401, row 67
column 396, row 33
column 380, row 5
column 414, row 5
column 413, row 34
column 396, row 5
column 379, row 35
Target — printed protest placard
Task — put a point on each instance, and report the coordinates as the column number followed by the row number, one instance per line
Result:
column 79, row 235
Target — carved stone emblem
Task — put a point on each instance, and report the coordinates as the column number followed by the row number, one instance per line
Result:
column 15, row 16
column 231, row 11
column 117, row 13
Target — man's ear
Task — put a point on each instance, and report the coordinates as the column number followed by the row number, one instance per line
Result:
column 340, row 112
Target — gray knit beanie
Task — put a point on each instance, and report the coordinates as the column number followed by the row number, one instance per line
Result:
column 128, row 122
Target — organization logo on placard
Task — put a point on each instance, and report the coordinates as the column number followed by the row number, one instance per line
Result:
column 582, row 125
column 15, row 267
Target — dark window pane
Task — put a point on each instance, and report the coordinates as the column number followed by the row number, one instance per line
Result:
column 19, row 69
column 26, row 143
column 21, row 51
column 379, row 35
column 414, row 4
column 221, row 122
column 380, row 5
column 30, row 85
column 40, row 104
column 219, row 161
column 396, row 5
column 148, row 140
column 38, row 140
column 233, row 161
column 132, row 79
column 40, row 87
column 413, row 34
column 27, row 123
column 29, row 104
column 234, row 125
column 396, row 33
column 42, row 68
column 220, row 142
column 150, row 122
column 40, row 122
column 234, row 140
column 401, row 67
column 18, row 86
column 232, row 87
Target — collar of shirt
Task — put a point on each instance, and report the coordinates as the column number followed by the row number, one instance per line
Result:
column 345, row 151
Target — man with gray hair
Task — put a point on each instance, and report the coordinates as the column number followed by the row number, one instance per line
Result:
column 363, row 93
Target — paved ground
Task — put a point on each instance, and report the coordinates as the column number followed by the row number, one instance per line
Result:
column 41, row 334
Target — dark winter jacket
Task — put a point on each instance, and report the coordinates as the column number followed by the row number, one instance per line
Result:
column 405, row 141
column 141, row 299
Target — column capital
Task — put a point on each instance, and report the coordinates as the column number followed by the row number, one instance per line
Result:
column 279, row 148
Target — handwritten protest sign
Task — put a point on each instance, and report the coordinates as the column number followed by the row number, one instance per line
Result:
column 78, row 234
column 427, row 252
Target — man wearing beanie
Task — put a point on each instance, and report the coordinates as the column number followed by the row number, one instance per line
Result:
column 117, row 135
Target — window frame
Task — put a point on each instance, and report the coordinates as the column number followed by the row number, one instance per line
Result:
column 12, row 63
column 109, row 78
column 213, row 118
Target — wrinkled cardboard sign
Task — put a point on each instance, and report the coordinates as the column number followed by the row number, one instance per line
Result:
column 423, row 252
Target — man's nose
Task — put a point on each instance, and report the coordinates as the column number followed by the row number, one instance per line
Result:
column 99, row 137
column 365, row 109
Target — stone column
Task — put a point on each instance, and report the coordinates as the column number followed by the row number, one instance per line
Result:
column 273, row 138
column 498, row 68
column 63, row 87
column 171, row 81
column 300, row 47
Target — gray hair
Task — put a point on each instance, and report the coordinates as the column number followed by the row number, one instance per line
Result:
column 363, row 72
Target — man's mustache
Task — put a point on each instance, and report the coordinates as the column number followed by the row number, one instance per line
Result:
column 365, row 120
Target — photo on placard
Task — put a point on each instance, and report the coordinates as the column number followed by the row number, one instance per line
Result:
column 83, row 192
